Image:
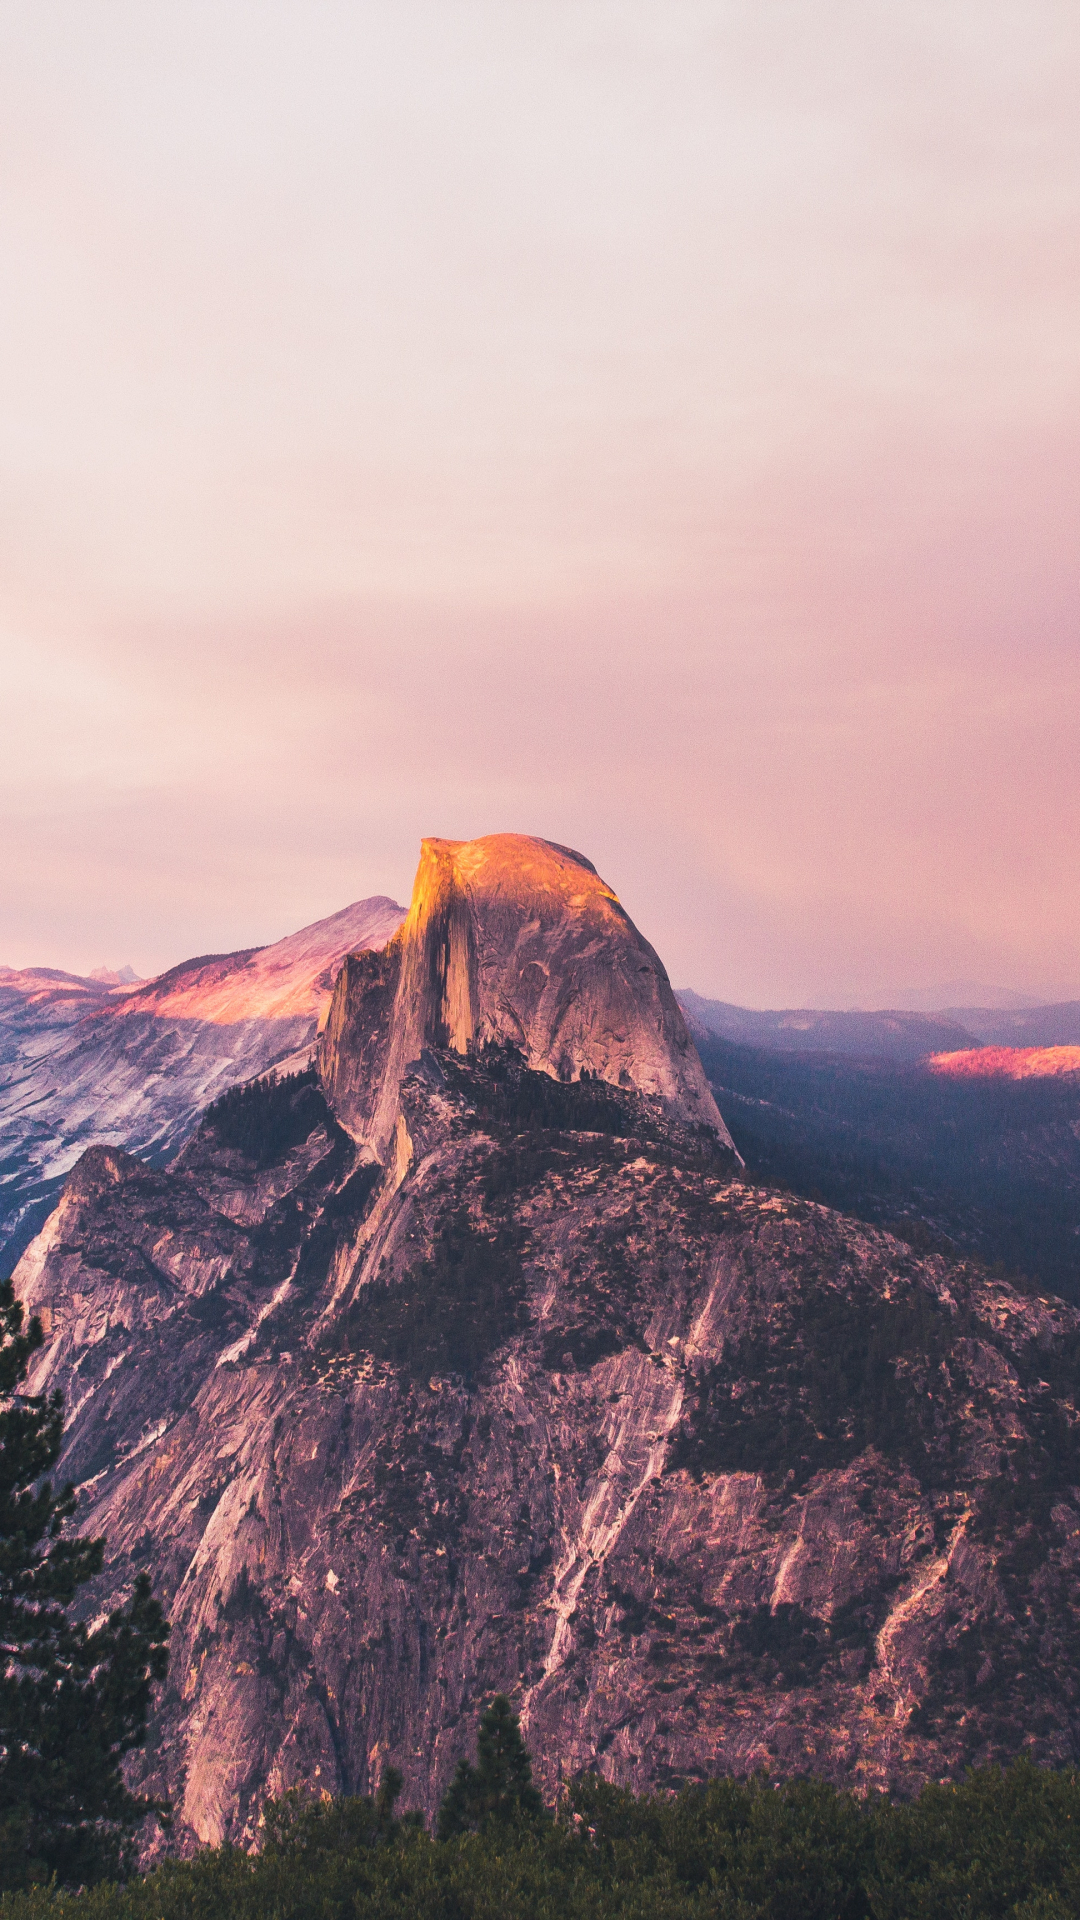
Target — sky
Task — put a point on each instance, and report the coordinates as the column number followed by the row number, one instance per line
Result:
column 652, row 426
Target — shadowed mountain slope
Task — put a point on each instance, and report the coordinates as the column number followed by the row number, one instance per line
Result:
column 1051, row 1026
column 986, row 1161
column 549, row 1400
column 81, row 1062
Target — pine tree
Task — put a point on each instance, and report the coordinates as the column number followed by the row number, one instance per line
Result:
column 74, row 1699
column 499, row 1790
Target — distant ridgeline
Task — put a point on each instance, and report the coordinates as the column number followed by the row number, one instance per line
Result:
column 972, row 1159
column 477, row 1363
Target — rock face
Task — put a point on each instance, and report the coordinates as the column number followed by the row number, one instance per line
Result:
column 81, row 1062
column 510, row 941
column 549, row 1400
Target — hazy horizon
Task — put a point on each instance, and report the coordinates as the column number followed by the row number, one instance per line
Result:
column 946, row 996
column 652, row 428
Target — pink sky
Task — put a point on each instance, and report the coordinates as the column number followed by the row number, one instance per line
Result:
column 654, row 427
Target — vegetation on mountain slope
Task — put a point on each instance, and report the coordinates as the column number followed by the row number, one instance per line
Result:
column 74, row 1698
column 1001, row 1846
column 264, row 1118
column 791, row 1494
column 985, row 1167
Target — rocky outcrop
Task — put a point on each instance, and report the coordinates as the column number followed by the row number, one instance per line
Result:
column 510, row 941
column 704, row 1477
column 82, row 1063
column 549, row 1400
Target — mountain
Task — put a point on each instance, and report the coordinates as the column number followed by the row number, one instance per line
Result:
column 893, row 1035
column 511, row 941
column 81, row 1061
column 972, row 1149
column 941, row 1132
column 472, row 1361
column 890, row 1034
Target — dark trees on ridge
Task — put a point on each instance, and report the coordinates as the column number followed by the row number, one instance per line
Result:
column 499, row 1790
column 74, row 1698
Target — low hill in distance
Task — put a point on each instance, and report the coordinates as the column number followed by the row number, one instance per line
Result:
column 1050, row 1026
column 884, row 1036
column 887, row 1034
column 1007, row 1063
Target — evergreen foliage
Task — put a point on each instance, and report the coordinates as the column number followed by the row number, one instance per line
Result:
column 999, row 1846
column 74, row 1699
column 264, row 1118
column 451, row 1311
column 833, row 1373
column 499, row 1790
column 297, row 1828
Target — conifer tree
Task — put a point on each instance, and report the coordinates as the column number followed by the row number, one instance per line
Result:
column 74, row 1698
column 499, row 1790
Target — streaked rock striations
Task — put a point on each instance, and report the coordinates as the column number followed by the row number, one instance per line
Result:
column 510, row 941
column 486, row 1373
column 81, row 1062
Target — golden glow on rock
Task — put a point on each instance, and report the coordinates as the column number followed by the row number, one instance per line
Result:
column 1006, row 1063
column 511, row 940
column 292, row 979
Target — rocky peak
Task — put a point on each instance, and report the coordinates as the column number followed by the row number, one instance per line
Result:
column 510, row 941
column 83, row 1061
column 704, row 1476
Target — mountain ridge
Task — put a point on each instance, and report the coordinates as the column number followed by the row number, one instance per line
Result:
column 897, row 1032
column 135, row 1066
column 549, row 1400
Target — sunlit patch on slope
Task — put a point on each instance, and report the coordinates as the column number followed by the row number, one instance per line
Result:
column 1007, row 1063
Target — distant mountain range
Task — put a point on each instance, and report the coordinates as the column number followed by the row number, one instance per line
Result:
column 891, row 1034
column 87, row 1061
column 474, row 1360
column 962, row 993
column 113, row 1060
column 958, row 1131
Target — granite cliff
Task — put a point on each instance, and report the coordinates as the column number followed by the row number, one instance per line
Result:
column 87, row 1061
column 512, row 941
column 474, row 1363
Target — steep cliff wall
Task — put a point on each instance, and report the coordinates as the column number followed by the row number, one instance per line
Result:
column 513, row 941
column 704, row 1477
column 546, row 1399
column 82, row 1064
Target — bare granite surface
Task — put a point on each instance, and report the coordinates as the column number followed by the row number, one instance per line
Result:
column 505, row 1379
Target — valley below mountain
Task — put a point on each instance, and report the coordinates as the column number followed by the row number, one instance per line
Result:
column 474, row 1359
column 982, row 1160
